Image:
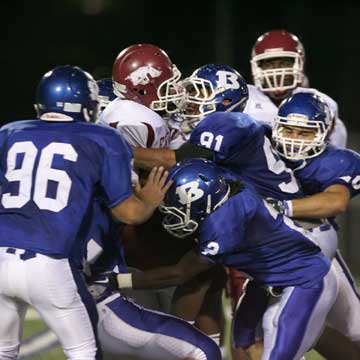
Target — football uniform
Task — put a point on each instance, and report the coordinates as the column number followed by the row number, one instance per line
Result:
column 139, row 125
column 247, row 234
column 126, row 329
column 260, row 107
column 145, row 128
column 242, row 146
column 336, row 166
column 333, row 166
column 51, row 171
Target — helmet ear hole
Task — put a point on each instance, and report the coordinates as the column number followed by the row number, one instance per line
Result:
column 227, row 102
column 203, row 178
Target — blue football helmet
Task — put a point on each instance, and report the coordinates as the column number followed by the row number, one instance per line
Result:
column 67, row 93
column 199, row 188
column 212, row 88
column 307, row 112
column 106, row 92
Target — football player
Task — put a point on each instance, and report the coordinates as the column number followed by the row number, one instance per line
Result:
column 50, row 169
column 277, row 65
column 217, row 95
column 329, row 176
column 236, row 228
column 127, row 330
column 146, row 83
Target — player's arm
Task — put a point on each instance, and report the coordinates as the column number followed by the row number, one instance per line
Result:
column 138, row 208
column 189, row 265
column 332, row 201
column 148, row 158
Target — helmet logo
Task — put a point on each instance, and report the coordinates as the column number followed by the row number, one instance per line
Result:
column 189, row 192
column 141, row 75
column 227, row 80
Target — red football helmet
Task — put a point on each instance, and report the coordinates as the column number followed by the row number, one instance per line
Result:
column 277, row 63
column 145, row 73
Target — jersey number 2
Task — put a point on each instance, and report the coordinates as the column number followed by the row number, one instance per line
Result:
column 43, row 174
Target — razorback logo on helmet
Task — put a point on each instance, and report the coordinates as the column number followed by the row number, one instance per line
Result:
column 141, row 76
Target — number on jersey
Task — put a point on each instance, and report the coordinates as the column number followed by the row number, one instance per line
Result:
column 43, row 174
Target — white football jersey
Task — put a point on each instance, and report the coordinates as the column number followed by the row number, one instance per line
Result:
column 178, row 137
column 260, row 107
column 139, row 125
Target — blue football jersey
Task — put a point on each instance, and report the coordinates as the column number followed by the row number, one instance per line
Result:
column 333, row 166
column 247, row 234
column 104, row 249
column 53, row 171
column 242, row 145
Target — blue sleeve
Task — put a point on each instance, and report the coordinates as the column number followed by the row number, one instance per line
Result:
column 343, row 169
column 116, row 170
column 224, row 231
column 227, row 134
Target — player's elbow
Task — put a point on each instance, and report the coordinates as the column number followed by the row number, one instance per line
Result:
column 339, row 207
column 129, row 217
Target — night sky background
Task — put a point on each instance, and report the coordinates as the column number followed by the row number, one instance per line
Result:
column 39, row 35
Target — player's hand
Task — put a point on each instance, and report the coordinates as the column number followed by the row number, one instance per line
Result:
column 155, row 188
column 282, row 206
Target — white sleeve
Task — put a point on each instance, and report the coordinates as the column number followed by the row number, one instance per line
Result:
column 338, row 136
column 137, row 134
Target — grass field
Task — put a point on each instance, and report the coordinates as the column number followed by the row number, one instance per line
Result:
column 34, row 325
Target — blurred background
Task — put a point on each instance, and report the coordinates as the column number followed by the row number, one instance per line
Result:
column 39, row 35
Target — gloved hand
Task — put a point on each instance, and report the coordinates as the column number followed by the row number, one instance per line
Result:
column 282, row 206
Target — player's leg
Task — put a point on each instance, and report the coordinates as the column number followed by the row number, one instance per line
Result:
column 189, row 297
column 249, row 311
column 345, row 313
column 12, row 309
column 199, row 301
column 61, row 298
column 211, row 317
column 294, row 321
column 12, row 318
column 128, row 330
column 334, row 346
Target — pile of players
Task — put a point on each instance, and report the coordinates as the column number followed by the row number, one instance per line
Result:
column 257, row 175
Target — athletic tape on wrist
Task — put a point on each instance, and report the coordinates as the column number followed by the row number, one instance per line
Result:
column 289, row 208
column 124, row 281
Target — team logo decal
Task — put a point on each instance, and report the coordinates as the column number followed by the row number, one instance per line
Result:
column 141, row 76
column 227, row 80
column 189, row 192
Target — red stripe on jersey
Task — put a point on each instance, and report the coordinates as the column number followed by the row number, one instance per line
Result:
column 114, row 125
column 151, row 135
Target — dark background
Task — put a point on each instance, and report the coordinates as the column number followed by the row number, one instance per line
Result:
column 39, row 35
